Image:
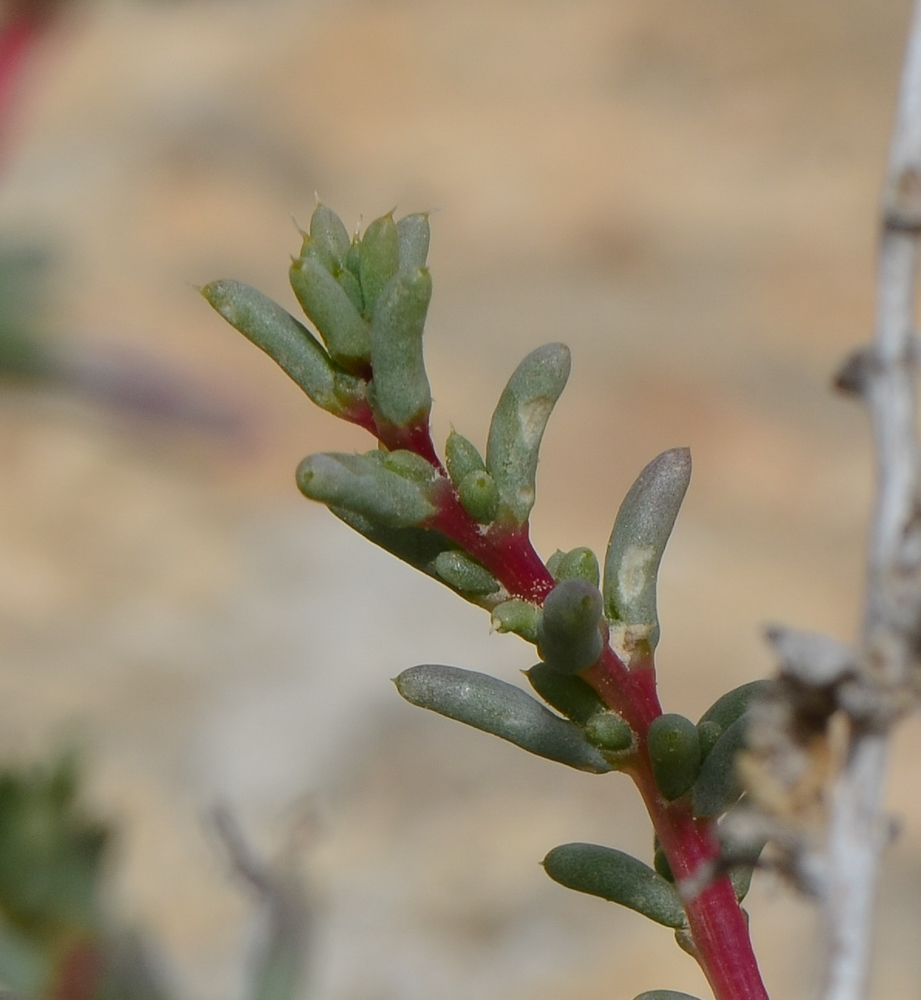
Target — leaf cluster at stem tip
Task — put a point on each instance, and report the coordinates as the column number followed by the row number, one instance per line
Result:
column 464, row 520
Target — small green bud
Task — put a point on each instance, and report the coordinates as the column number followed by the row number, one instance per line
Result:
column 718, row 785
column 741, row 878
column 520, row 617
column 464, row 574
column 617, row 877
column 660, row 862
column 554, row 563
column 641, row 531
column 402, row 394
column 289, row 343
column 353, row 257
column 379, row 259
column 327, row 304
column 725, row 710
column 518, row 426
column 674, row 751
column 351, row 286
column 479, row 496
column 329, row 238
column 579, row 564
column 409, row 465
column 569, row 635
column 607, row 730
column 364, row 486
column 413, row 236
column 571, row 695
column 506, row 711
column 462, row 457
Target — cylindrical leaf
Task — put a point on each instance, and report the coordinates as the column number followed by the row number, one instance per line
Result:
column 330, row 237
column 617, row 877
column 289, row 343
column 725, row 710
column 664, row 995
column 571, row 695
column 464, row 574
column 569, row 634
column 413, row 236
column 506, row 711
column 327, row 304
column 462, row 457
column 419, row 547
column 401, row 392
column 364, row 486
column 518, row 426
column 641, row 530
column 479, row 496
column 674, row 751
column 379, row 259
column 718, row 786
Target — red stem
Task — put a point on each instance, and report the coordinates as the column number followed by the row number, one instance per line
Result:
column 716, row 921
column 17, row 39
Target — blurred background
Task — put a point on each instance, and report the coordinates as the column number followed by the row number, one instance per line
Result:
column 684, row 193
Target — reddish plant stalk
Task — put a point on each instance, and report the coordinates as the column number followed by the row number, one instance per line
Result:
column 18, row 35
column 718, row 926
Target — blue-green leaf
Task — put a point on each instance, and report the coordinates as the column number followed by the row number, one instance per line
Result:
column 506, row 711
column 617, row 877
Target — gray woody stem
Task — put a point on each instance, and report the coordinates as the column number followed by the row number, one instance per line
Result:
column 885, row 375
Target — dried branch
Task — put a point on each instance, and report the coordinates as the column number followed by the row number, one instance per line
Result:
column 883, row 688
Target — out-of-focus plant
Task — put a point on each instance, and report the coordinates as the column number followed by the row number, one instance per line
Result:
column 60, row 938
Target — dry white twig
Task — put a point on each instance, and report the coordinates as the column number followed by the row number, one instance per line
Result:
column 885, row 376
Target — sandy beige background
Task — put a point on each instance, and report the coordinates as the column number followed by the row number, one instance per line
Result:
column 683, row 192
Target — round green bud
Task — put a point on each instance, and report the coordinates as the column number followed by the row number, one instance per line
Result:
column 479, row 496
column 674, row 751
column 609, row 731
column 520, row 617
column 569, row 636
column 462, row 457
column 579, row 564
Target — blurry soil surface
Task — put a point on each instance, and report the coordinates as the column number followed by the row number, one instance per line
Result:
column 685, row 194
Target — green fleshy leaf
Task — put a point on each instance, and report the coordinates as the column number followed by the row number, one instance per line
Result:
column 617, row 877
column 364, row 486
column 569, row 634
column 419, row 547
column 664, row 995
column 289, row 343
column 465, row 575
column 674, row 751
column 330, row 238
column 413, row 237
column 379, row 260
column 401, row 392
column 718, row 786
column 725, row 710
column 568, row 694
column 328, row 306
column 518, row 426
column 462, row 458
column 506, row 711
column 641, row 531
